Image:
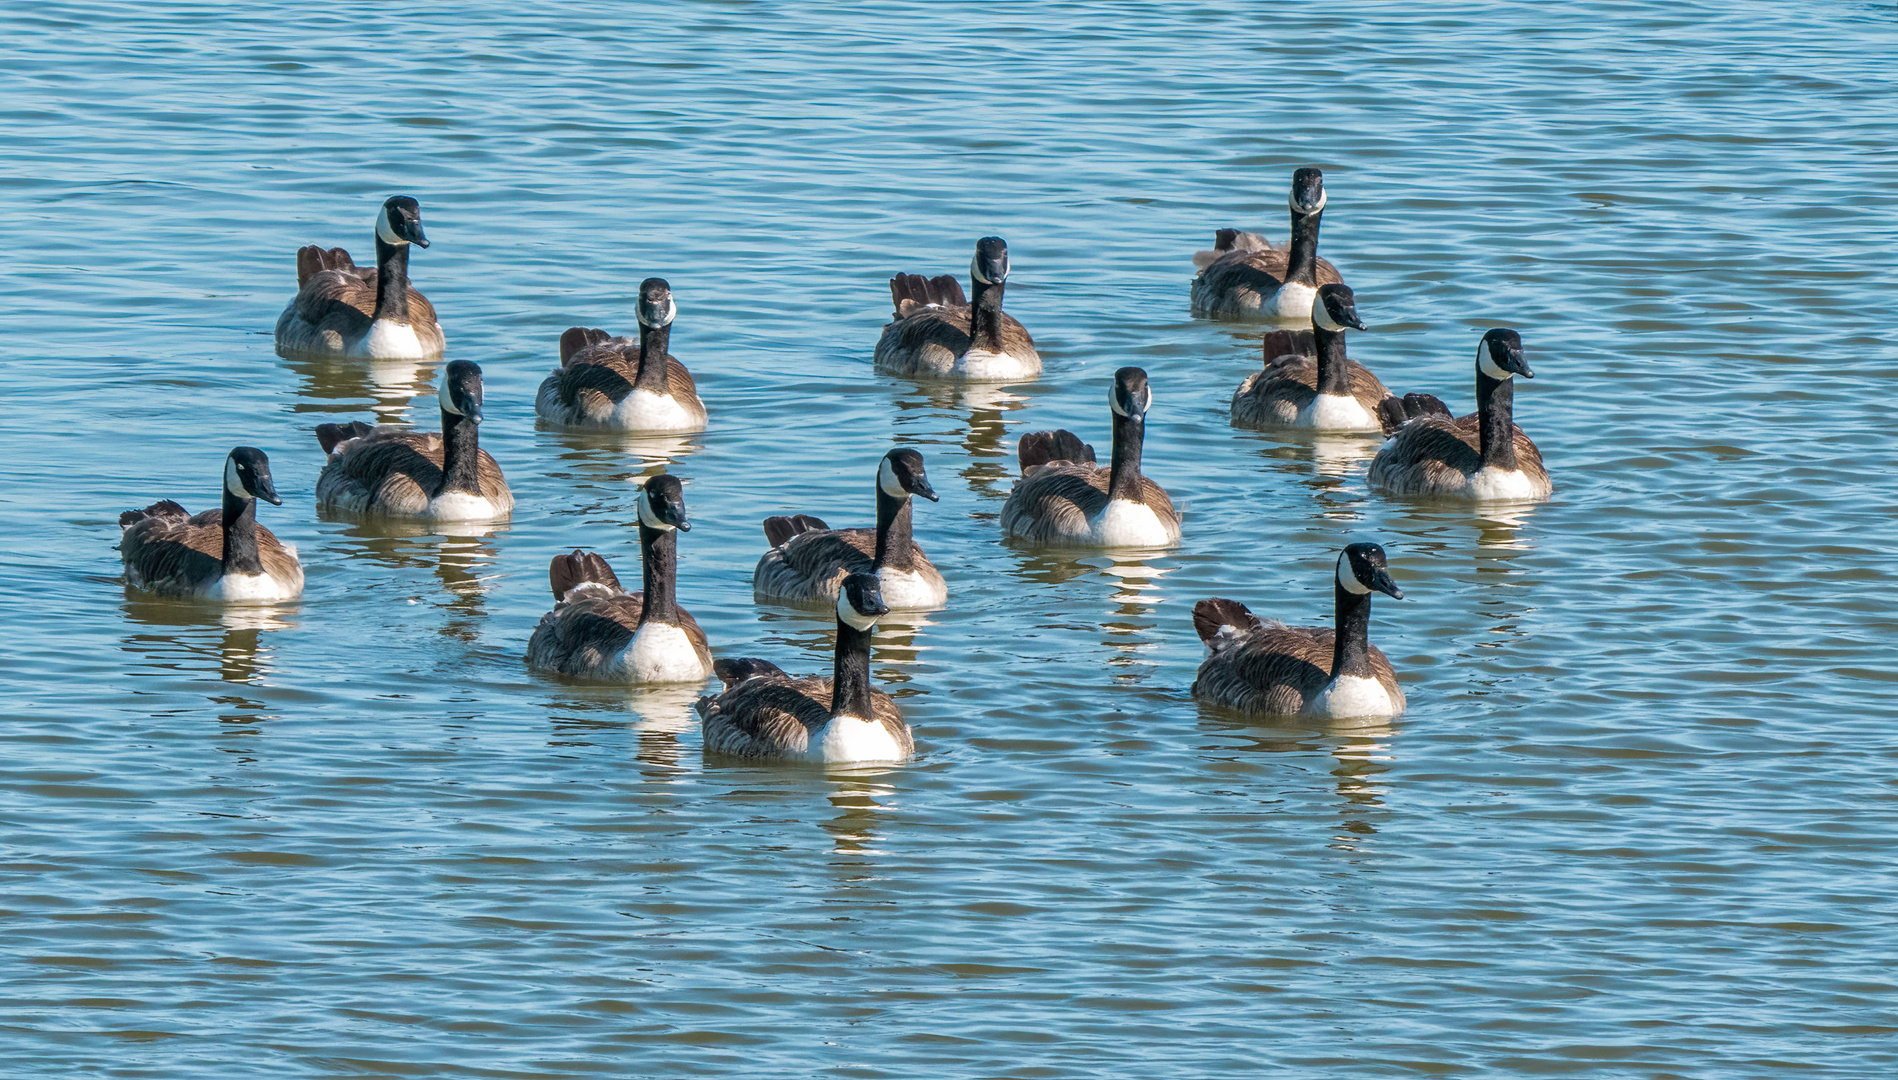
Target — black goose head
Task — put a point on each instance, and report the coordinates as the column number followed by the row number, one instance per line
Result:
column 656, row 307
column 1335, row 308
column 1308, row 191
column 461, row 390
column 401, row 222
column 1499, row 355
column 990, row 264
column 662, row 504
column 247, row 475
column 1131, row 396
column 860, row 601
column 901, row 475
column 1361, row 571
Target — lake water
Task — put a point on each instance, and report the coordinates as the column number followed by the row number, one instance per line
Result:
column 1637, row 823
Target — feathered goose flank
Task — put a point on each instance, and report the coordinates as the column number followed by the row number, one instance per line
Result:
column 220, row 554
column 374, row 313
column 618, row 384
column 935, row 333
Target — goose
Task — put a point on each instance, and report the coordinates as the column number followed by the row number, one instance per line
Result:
column 599, row 631
column 809, row 559
column 936, row 334
column 340, row 310
column 606, row 382
column 1244, row 275
column 765, row 713
column 1480, row 456
column 401, row 472
column 1277, row 670
column 1063, row 499
column 220, row 554
column 1308, row 382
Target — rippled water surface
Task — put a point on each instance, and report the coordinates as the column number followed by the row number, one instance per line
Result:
column 1638, row 820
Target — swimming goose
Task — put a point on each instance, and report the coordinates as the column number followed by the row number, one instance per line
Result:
column 1063, row 499
column 936, row 334
column 1308, row 382
column 221, row 554
column 765, row 713
column 401, row 472
column 1480, row 456
column 1244, row 275
column 607, row 382
column 809, row 559
column 1278, row 670
column 340, row 310
column 599, row 631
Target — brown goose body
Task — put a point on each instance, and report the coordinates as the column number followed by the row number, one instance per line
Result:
column 341, row 309
column 1279, row 670
column 398, row 472
column 937, row 333
column 1483, row 455
column 808, row 560
column 1285, row 392
column 1064, row 500
column 1246, row 276
column 590, row 634
column 772, row 715
column 594, row 387
column 171, row 553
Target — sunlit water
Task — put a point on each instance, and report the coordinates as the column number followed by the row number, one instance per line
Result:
column 1637, row 822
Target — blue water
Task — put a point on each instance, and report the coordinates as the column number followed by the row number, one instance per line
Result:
column 1637, row 822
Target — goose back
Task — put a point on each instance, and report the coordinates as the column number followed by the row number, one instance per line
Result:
column 397, row 471
column 172, row 553
column 764, row 713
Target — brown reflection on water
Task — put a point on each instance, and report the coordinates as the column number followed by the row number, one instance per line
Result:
column 608, row 458
column 235, row 635
column 980, row 411
column 863, row 805
column 1363, row 751
column 460, row 554
column 386, row 387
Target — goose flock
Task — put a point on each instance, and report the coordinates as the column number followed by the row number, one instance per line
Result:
column 598, row 631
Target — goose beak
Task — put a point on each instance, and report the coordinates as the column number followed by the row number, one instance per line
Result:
column 416, row 235
column 1382, row 583
column 922, row 488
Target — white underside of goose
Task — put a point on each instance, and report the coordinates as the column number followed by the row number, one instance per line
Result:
column 660, row 653
column 907, row 590
column 1352, row 695
column 1501, row 484
column 1126, row 523
column 247, row 589
column 1291, row 301
column 643, row 410
column 461, row 506
column 388, row 340
column 849, row 739
column 980, row 365
column 1336, row 412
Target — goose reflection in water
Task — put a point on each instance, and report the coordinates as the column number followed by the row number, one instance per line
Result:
column 459, row 554
column 936, row 409
column 386, row 387
column 599, row 459
column 1362, row 752
column 587, row 714
column 1131, row 621
column 235, row 634
column 796, row 632
column 863, row 805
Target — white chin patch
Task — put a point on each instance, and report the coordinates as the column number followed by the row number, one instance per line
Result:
column 1323, row 196
column 1322, row 318
column 851, row 615
column 385, row 233
column 647, row 517
column 448, row 399
column 1348, row 580
column 975, row 271
column 232, row 482
column 887, row 481
column 1487, row 363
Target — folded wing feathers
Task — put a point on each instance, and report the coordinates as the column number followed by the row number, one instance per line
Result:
column 735, row 670
column 1217, row 621
column 1394, row 412
column 779, row 529
column 569, row 572
column 579, row 337
column 1041, row 447
column 331, row 436
column 314, row 260
column 164, row 508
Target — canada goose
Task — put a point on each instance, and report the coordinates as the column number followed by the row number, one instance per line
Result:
column 1244, row 275
column 597, row 630
column 1063, row 499
column 401, row 472
column 766, row 713
column 808, row 559
column 1308, row 381
column 1480, row 456
column 1279, row 670
column 340, row 310
column 221, row 554
column 936, row 334
column 608, row 382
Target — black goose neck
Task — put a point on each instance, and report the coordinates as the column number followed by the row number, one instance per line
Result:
column 659, row 574
column 985, row 316
column 461, row 454
column 1334, row 368
column 1495, row 406
column 1351, row 642
column 240, row 535
column 653, row 358
column 392, row 281
column 1301, row 262
column 850, row 678
column 896, row 549
column 1124, row 477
